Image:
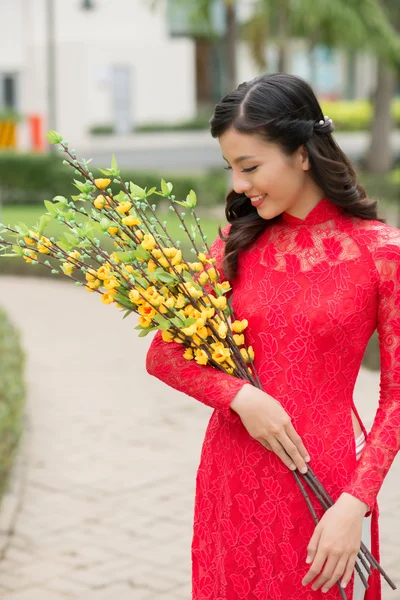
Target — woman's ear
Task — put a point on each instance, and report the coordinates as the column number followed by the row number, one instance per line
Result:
column 304, row 158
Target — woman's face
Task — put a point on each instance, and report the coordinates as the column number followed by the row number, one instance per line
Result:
column 273, row 181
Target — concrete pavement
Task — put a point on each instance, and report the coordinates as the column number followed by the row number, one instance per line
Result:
column 107, row 504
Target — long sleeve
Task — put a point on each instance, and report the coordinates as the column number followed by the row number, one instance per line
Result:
column 383, row 441
column 204, row 383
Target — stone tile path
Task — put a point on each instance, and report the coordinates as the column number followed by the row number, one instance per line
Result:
column 110, row 458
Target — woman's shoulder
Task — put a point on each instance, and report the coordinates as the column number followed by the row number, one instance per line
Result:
column 379, row 238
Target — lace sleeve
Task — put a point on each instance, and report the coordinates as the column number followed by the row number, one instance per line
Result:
column 204, row 383
column 383, row 441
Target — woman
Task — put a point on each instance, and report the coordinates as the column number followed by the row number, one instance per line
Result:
column 315, row 272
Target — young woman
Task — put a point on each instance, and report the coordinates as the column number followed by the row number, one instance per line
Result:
column 315, row 272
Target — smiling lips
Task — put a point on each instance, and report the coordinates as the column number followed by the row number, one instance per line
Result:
column 257, row 200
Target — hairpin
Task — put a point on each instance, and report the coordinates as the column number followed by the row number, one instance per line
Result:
column 325, row 120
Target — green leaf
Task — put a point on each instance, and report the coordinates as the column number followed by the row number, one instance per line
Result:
column 65, row 245
column 105, row 171
column 127, row 313
column 185, row 204
column 164, row 276
column 191, row 199
column 123, row 256
column 60, row 199
column 151, row 191
column 137, row 191
column 178, row 321
column 163, row 322
column 44, row 219
column 50, row 207
column 140, row 252
column 18, row 250
column 54, row 137
column 114, row 165
column 166, row 188
column 22, row 228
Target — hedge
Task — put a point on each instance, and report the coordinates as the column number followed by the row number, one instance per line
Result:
column 12, row 395
column 27, row 178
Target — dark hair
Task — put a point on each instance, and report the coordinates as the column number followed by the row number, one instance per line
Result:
column 283, row 108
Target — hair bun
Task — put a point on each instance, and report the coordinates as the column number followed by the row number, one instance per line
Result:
column 325, row 125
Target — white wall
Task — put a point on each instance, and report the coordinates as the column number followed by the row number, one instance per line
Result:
column 89, row 43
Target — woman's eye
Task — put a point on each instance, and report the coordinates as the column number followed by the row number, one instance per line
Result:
column 249, row 170
column 228, row 168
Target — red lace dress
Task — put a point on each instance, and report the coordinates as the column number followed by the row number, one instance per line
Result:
column 313, row 291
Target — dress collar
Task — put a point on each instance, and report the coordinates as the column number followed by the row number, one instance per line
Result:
column 322, row 212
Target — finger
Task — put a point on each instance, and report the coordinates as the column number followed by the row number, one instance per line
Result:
column 349, row 570
column 297, row 441
column 292, row 451
column 327, row 572
column 337, row 574
column 315, row 556
column 281, row 453
column 265, row 444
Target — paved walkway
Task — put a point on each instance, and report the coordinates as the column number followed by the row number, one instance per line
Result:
column 106, row 512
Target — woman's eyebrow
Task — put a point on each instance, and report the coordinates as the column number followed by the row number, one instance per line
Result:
column 240, row 158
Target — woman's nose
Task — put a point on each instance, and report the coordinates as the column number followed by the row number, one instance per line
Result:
column 240, row 184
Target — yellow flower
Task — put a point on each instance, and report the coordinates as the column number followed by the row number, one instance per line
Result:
column 135, row 297
column 115, row 257
column 220, row 354
column 156, row 252
column 151, row 265
column 200, row 336
column 203, row 278
column 107, row 298
column 67, row 268
column 163, row 262
column 91, row 275
column 180, row 268
column 101, row 184
column 124, row 207
column 188, row 354
column 196, row 266
column 251, row 352
column 148, row 242
column 88, row 289
column 94, row 285
column 130, row 221
column 202, row 257
column 218, row 302
column 189, row 331
column 207, row 313
column 167, row 336
column 247, row 355
column 44, row 245
column 229, row 370
column 239, row 326
column 177, row 259
column 113, row 230
column 111, row 284
column 74, row 255
column 103, row 272
column 29, row 256
column 239, row 339
column 139, row 234
column 170, row 252
column 222, row 330
column 223, row 287
column 152, row 295
column 201, row 357
column 212, row 273
column 146, row 310
column 144, row 321
column 170, row 302
column 180, row 301
column 100, row 202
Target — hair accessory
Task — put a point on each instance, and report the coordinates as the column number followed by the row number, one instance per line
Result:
column 326, row 119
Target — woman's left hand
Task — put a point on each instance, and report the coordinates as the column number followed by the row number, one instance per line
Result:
column 335, row 543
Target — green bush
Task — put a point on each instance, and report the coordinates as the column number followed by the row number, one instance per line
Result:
column 27, row 179
column 12, row 395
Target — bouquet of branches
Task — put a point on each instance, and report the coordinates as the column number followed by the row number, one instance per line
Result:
column 147, row 274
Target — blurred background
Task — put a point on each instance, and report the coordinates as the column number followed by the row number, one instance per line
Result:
column 99, row 503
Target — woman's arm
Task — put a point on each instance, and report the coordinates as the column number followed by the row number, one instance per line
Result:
column 165, row 361
column 383, row 442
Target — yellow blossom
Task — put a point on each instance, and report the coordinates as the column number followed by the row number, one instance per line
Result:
column 144, row 321
column 229, row 370
column 124, row 207
column 188, row 354
column 218, row 302
column 239, row 326
column 29, row 256
column 103, row 272
column 115, row 257
column 88, row 289
column 207, row 313
column 202, row 257
column 101, row 183
column 91, row 275
column 111, row 284
column 180, row 301
column 181, row 267
column 177, row 259
column 148, row 242
column 94, row 285
column 247, row 355
column 113, row 230
column 156, row 252
column 220, row 354
column 170, row 302
column 239, row 339
column 196, row 266
column 223, row 287
column 167, row 336
column 201, row 357
column 222, row 330
column 151, row 265
column 139, row 234
column 135, row 297
column 146, row 310
column 67, row 268
column 203, row 278
column 189, row 331
column 212, row 273
column 169, row 252
column 100, row 202
column 130, row 221
column 44, row 245
column 251, row 352
column 107, row 298
column 74, row 255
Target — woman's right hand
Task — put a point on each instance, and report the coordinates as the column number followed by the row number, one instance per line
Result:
column 267, row 422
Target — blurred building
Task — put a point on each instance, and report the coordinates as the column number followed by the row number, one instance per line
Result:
column 122, row 63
